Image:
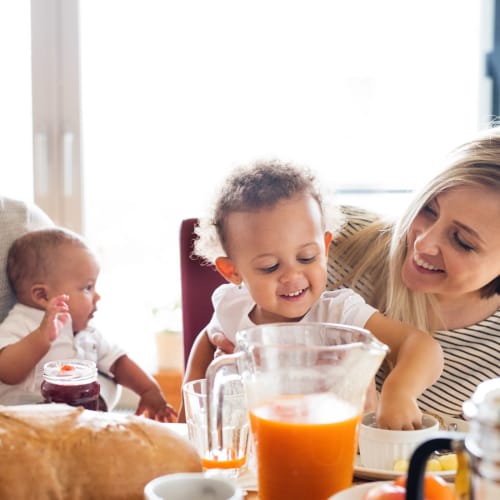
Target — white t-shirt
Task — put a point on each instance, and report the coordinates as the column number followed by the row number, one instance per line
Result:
column 88, row 344
column 232, row 305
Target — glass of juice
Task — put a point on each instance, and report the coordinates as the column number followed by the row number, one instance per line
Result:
column 305, row 386
column 231, row 455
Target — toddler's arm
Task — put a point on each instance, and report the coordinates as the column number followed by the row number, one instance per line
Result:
column 19, row 358
column 152, row 403
column 417, row 361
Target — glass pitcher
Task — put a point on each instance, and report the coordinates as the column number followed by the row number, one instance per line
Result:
column 305, row 386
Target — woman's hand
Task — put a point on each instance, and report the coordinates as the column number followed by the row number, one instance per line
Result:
column 222, row 344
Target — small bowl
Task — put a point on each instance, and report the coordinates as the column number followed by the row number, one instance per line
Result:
column 382, row 448
column 192, row 485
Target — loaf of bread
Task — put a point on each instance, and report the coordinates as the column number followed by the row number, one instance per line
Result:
column 60, row 452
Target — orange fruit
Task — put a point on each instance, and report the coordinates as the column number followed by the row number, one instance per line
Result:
column 435, row 487
column 387, row 491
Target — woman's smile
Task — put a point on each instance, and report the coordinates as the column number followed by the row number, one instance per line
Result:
column 423, row 265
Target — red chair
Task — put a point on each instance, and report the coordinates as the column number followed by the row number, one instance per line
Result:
column 198, row 281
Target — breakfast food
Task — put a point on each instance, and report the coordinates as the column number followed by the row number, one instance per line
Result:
column 73, row 382
column 435, row 488
column 436, row 463
column 61, row 452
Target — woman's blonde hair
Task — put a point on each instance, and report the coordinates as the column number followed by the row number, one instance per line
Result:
column 379, row 250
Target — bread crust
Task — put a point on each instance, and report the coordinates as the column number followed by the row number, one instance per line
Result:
column 59, row 452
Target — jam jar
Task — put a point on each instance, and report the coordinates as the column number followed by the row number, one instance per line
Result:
column 71, row 381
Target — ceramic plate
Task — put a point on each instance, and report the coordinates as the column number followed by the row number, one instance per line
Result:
column 367, row 473
column 178, row 428
column 454, row 424
column 356, row 492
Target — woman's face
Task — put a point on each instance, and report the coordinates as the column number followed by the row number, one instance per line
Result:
column 454, row 243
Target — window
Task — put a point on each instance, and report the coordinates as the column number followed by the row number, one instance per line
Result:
column 371, row 95
column 16, row 173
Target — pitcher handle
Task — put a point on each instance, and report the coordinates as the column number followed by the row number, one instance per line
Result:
column 416, row 470
column 221, row 370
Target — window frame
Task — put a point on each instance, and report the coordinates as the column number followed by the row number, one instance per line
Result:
column 57, row 163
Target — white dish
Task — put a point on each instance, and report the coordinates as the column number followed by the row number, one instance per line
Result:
column 366, row 473
column 356, row 492
column 381, row 448
column 179, row 428
column 454, row 424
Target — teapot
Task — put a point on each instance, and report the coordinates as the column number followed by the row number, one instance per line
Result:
column 478, row 450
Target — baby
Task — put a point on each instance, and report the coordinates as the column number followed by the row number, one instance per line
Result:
column 53, row 274
column 271, row 246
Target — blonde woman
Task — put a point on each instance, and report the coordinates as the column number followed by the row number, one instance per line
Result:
column 438, row 268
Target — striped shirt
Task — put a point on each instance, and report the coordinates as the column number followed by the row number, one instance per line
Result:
column 471, row 354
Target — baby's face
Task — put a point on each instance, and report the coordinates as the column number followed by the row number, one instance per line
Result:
column 280, row 254
column 76, row 272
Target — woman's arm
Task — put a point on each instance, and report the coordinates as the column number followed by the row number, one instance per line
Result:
column 417, row 361
column 202, row 353
column 221, row 343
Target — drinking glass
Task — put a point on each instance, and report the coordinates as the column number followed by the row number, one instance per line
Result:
column 234, row 431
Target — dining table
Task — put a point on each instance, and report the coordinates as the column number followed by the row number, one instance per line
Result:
column 254, row 495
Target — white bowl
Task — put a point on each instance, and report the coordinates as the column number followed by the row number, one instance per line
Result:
column 381, row 448
column 190, row 486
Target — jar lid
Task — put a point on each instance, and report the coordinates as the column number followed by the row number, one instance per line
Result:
column 484, row 406
column 69, row 371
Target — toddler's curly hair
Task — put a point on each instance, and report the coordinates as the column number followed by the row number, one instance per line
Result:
column 247, row 189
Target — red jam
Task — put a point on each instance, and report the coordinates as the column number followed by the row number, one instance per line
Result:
column 73, row 382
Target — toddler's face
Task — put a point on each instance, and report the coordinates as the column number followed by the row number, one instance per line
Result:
column 280, row 254
column 76, row 276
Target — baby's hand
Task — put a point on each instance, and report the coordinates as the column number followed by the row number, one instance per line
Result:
column 153, row 405
column 398, row 413
column 56, row 316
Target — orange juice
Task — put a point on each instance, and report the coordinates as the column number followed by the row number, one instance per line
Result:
column 225, row 459
column 305, row 445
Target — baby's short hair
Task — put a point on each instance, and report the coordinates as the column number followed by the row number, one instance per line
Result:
column 32, row 256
